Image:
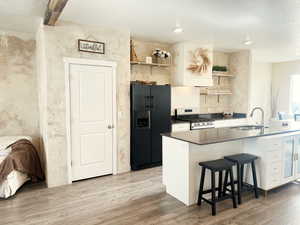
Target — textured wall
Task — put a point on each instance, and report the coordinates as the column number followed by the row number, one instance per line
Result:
column 240, row 66
column 18, row 87
column 210, row 103
column 260, row 88
column 42, row 91
column 61, row 41
column 161, row 75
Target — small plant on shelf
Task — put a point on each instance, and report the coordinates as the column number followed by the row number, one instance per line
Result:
column 220, row 69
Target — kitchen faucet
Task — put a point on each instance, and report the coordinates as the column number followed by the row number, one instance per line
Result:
column 262, row 114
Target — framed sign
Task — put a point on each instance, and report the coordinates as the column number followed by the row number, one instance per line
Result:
column 91, row 46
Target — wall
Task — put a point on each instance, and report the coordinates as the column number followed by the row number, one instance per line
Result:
column 210, row 103
column 184, row 97
column 240, row 66
column 281, row 84
column 18, row 87
column 161, row 75
column 183, row 54
column 41, row 71
column 260, row 88
column 59, row 42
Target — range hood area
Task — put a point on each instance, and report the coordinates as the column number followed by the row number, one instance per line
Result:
column 192, row 65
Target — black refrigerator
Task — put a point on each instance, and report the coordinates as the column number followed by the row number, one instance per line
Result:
column 150, row 116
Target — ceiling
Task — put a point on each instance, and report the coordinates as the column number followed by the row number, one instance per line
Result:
column 21, row 15
column 272, row 25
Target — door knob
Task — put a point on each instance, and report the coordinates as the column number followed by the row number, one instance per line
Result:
column 110, row 126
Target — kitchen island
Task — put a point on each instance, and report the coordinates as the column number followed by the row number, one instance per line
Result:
column 277, row 148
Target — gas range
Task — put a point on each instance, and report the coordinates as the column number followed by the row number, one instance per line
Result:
column 196, row 122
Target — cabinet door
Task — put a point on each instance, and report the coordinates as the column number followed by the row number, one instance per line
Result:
column 288, row 159
column 297, row 156
column 160, row 118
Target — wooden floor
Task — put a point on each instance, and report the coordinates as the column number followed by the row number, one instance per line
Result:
column 140, row 198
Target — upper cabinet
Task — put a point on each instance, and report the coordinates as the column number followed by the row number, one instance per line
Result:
column 192, row 64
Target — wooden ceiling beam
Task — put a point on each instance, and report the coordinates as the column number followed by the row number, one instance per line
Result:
column 53, row 11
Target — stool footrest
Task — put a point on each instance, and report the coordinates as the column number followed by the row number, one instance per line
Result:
column 245, row 187
column 224, row 197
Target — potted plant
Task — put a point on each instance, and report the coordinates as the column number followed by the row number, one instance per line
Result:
column 160, row 56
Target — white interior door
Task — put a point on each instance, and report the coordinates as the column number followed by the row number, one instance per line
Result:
column 91, row 98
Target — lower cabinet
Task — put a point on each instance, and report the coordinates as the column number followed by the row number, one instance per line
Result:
column 278, row 161
column 288, row 163
column 297, row 156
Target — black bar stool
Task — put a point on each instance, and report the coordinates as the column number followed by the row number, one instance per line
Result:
column 241, row 160
column 214, row 166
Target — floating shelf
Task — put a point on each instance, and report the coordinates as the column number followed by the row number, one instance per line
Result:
column 149, row 64
column 221, row 74
column 217, row 93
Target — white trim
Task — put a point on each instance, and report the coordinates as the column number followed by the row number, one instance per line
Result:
column 81, row 61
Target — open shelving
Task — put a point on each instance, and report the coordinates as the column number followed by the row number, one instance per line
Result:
column 217, row 93
column 222, row 74
column 149, row 64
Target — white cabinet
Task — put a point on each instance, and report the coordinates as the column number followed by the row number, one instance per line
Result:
column 177, row 127
column 288, row 159
column 278, row 161
column 296, row 156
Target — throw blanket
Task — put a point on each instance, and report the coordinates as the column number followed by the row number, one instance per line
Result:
column 23, row 158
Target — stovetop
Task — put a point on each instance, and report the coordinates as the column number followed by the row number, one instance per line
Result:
column 193, row 118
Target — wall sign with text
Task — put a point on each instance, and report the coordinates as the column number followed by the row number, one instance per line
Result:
column 91, row 46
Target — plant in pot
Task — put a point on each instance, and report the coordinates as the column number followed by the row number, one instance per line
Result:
column 219, row 68
column 160, row 56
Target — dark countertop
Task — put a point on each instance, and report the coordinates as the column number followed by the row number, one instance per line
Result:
column 220, row 116
column 230, row 118
column 212, row 116
column 219, row 135
column 173, row 121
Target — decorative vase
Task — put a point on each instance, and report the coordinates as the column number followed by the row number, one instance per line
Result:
column 133, row 56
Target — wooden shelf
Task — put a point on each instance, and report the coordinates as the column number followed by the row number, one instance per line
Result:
column 220, row 93
column 149, row 64
column 221, row 74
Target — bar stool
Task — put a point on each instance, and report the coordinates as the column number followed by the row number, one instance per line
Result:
column 241, row 160
column 214, row 166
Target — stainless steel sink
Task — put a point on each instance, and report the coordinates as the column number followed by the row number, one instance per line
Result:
column 249, row 127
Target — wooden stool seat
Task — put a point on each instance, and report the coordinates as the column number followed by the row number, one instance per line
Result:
column 219, row 166
column 242, row 158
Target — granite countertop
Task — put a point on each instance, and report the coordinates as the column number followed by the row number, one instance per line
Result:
column 230, row 118
column 173, row 121
column 214, row 117
column 219, row 135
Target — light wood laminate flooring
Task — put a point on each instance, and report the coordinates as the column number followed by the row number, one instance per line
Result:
column 140, row 198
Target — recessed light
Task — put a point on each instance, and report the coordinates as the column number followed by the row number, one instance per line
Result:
column 178, row 30
column 248, row 42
